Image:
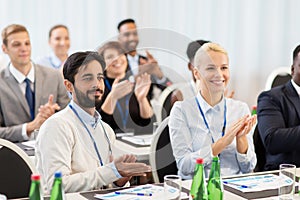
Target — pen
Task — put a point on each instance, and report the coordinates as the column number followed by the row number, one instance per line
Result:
column 133, row 193
column 236, row 184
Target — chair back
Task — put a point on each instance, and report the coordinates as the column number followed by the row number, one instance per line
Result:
column 278, row 77
column 167, row 98
column 15, row 170
column 259, row 150
column 161, row 156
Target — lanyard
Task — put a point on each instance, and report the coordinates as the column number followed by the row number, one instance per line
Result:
column 204, row 119
column 125, row 115
column 91, row 136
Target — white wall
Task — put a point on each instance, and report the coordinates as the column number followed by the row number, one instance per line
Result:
column 259, row 35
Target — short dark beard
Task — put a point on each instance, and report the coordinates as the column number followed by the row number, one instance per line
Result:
column 84, row 100
column 128, row 48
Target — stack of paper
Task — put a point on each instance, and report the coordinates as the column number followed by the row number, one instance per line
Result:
column 258, row 183
column 143, row 192
column 30, row 143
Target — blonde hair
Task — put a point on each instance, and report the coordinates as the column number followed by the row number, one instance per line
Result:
column 11, row 29
column 205, row 48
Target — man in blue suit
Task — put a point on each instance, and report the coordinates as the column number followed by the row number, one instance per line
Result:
column 279, row 120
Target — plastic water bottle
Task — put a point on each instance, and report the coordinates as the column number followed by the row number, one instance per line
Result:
column 57, row 192
column 198, row 190
column 34, row 192
column 215, row 184
column 254, row 110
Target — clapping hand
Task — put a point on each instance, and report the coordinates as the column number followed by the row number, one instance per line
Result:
column 127, row 167
column 234, row 131
column 239, row 131
column 45, row 111
column 248, row 125
column 148, row 60
column 122, row 181
column 142, row 86
column 150, row 66
column 49, row 108
column 241, row 137
column 121, row 89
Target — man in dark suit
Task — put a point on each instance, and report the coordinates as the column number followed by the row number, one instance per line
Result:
column 279, row 120
column 30, row 93
column 128, row 37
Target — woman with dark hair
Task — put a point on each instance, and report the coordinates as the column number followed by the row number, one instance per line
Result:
column 125, row 106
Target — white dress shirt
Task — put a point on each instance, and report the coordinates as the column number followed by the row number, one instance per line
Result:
column 20, row 77
column 297, row 88
column 191, row 139
column 133, row 63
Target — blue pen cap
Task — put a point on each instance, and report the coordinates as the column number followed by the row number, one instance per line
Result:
column 57, row 174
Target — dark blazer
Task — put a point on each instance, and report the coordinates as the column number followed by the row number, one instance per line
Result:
column 278, row 113
column 14, row 110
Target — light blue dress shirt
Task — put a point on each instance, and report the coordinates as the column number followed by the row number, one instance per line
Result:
column 191, row 139
column 93, row 121
column 50, row 61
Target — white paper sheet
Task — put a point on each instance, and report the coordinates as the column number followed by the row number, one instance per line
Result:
column 157, row 193
column 258, row 183
column 30, row 143
column 139, row 139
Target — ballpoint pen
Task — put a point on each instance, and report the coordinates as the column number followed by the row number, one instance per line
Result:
column 133, row 193
column 236, row 184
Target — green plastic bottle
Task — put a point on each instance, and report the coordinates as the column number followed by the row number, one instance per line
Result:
column 215, row 185
column 198, row 189
column 34, row 192
column 57, row 192
column 254, row 110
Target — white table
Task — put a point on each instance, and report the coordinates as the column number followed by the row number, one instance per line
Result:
column 185, row 184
